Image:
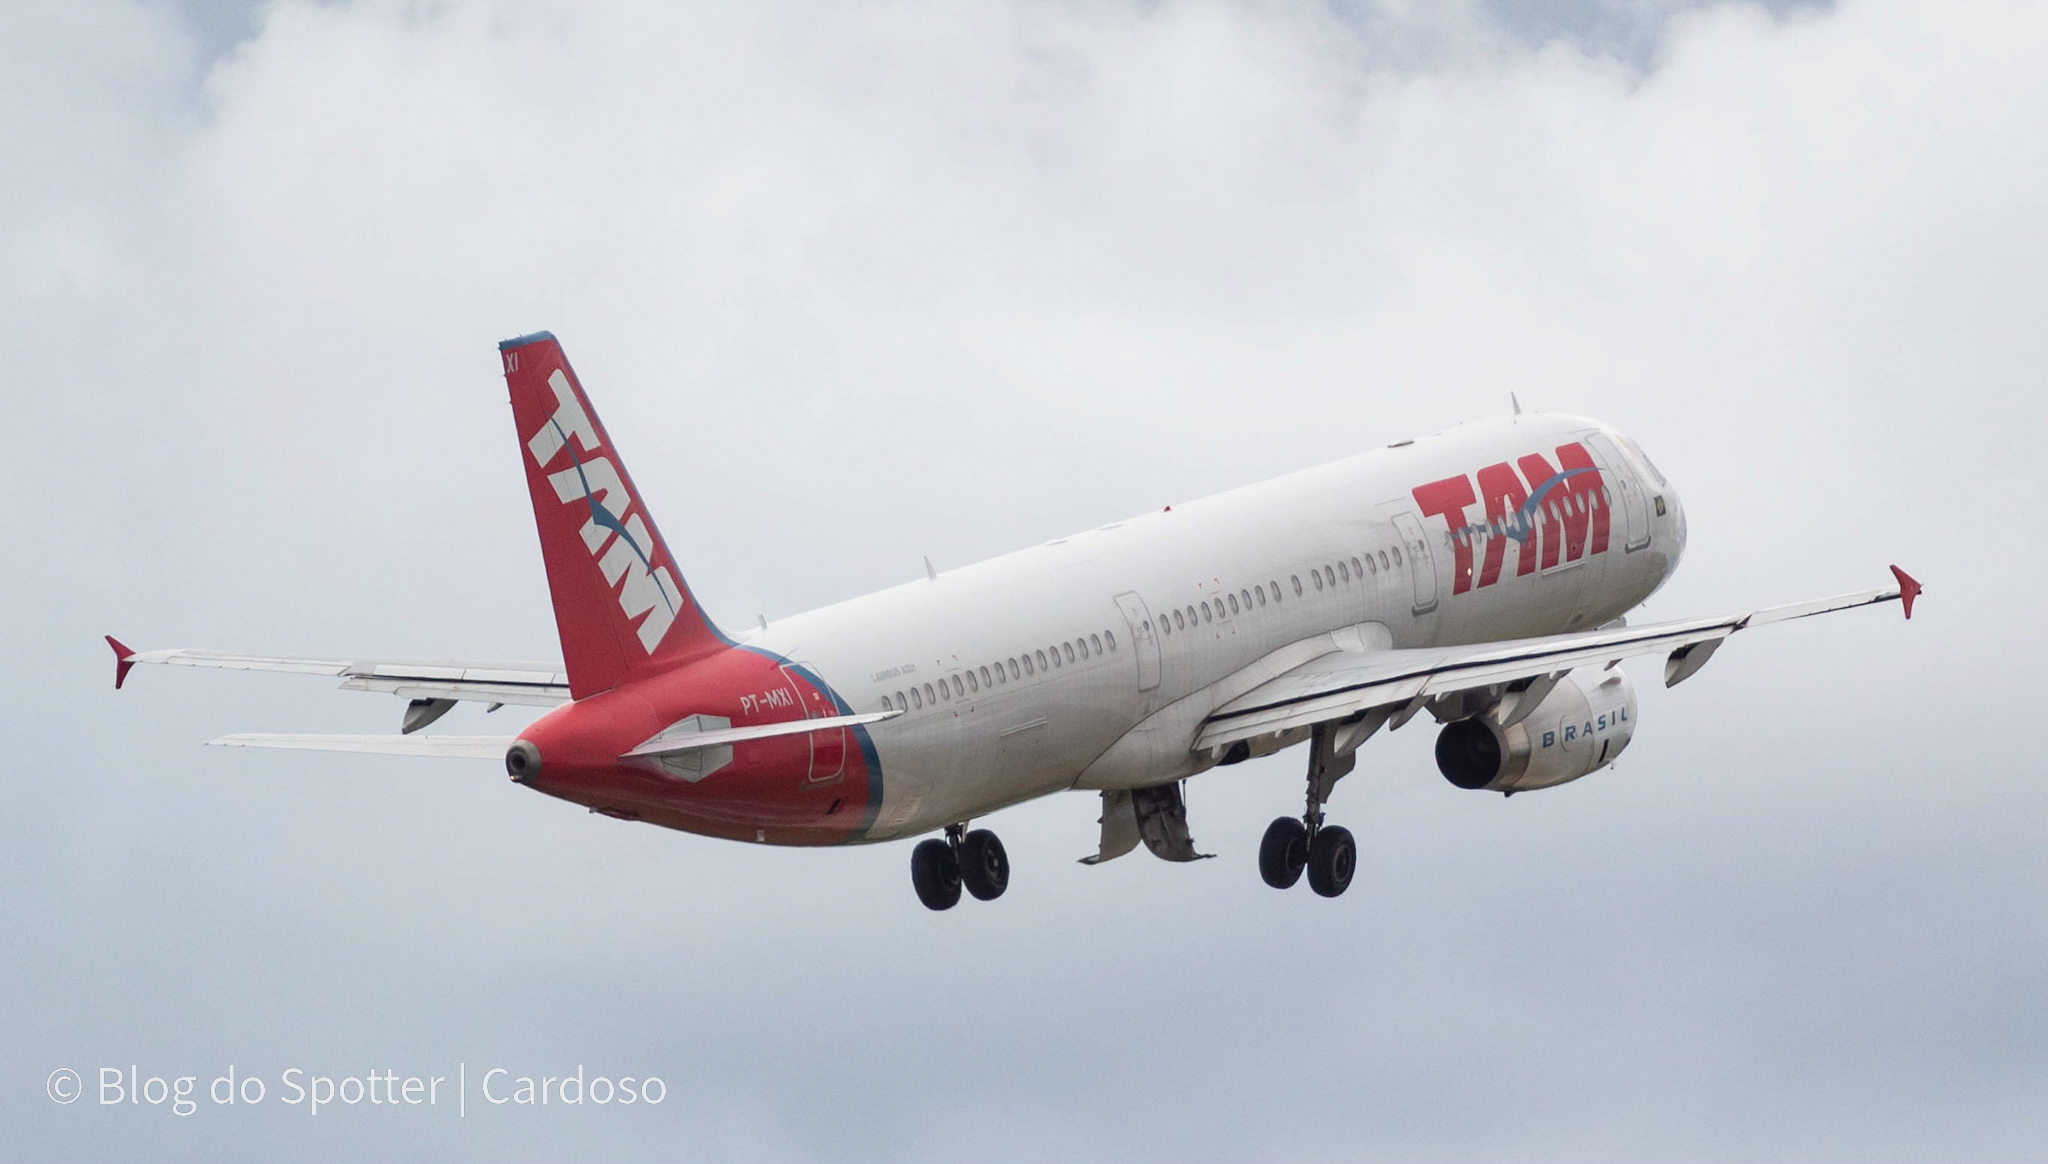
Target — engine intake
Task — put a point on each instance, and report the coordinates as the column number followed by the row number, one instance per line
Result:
column 1580, row 727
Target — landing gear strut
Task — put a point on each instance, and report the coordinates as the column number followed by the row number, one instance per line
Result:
column 1326, row 852
column 976, row 860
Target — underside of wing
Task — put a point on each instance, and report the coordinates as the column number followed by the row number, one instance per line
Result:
column 1346, row 683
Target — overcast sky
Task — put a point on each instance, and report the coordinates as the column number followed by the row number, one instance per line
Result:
column 855, row 283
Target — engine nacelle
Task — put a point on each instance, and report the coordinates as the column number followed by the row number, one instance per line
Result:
column 1581, row 726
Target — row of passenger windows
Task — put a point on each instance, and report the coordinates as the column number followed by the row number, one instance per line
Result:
column 974, row 679
column 1342, row 571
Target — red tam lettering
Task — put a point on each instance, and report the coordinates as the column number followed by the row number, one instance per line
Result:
column 1586, row 487
column 1544, row 491
column 1447, row 499
column 1504, row 500
column 1570, row 501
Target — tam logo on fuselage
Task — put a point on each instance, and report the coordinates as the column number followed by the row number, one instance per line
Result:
column 619, row 540
column 1564, row 501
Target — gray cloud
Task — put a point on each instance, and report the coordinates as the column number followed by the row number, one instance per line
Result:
column 853, row 285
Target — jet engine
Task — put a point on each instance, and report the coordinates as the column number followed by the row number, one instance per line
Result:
column 1580, row 726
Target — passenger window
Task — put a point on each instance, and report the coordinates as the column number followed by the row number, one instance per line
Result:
column 984, row 677
column 916, row 698
column 959, row 688
column 946, row 689
column 1013, row 670
column 902, row 701
column 1069, row 649
column 1027, row 666
column 1205, row 610
column 1055, row 649
column 1261, row 592
column 1179, row 623
column 1383, row 561
column 1109, row 637
column 1233, row 604
column 885, row 704
column 1296, row 579
column 1081, row 646
column 1247, row 596
column 972, row 683
column 1096, row 642
column 1357, row 571
column 1343, row 572
column 1041, row 660
column 1316, row 576
column 1192, row 619
column 1165, row 626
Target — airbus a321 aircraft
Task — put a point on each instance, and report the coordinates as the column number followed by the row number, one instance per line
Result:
column 1480, row 575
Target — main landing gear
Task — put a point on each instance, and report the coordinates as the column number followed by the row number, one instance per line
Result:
column 1326, row 852
column 939, row 868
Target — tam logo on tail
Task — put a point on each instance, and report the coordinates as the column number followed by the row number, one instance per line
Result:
column 621, row 603
column 593, row 481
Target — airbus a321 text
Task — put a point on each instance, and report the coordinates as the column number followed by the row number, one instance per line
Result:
column 1481, row 575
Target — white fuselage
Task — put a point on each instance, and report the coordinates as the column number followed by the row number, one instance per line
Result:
column 1204, row 600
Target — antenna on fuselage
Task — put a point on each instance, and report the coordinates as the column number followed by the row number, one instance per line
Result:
column 1517, row 404
column 930, row 575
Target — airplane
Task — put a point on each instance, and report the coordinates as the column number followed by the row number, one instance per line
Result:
column 1482, row 574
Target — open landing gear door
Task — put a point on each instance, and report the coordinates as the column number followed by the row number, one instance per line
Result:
column 1156, row 815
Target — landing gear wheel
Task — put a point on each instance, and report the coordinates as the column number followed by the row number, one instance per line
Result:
column 1283, row 853
column 984, row 867
column 935, row 872
column 1332, row 859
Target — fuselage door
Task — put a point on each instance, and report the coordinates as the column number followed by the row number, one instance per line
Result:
column 828, row 747
column 1421, row 565
column 1144, row 641
column 1623, row 477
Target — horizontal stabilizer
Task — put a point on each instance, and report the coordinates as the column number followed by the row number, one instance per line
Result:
column 530, row 684
column 673, row 741
column 452, row 747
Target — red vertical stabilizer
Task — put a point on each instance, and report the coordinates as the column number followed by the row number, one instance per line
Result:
column 621, row 605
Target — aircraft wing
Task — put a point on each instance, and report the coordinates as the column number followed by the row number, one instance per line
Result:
column 534, row 684
column 1335, row 686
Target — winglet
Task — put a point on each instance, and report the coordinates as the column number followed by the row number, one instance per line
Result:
column 1908, row 589
column 124, row 661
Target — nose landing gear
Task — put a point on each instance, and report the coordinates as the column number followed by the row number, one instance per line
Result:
column 939, row 868
column 1326, row 852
